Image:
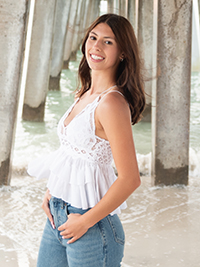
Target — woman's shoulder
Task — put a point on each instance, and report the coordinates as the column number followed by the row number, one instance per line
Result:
column 113, row 100
column 113, row 104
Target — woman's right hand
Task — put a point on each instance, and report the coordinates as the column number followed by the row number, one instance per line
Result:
column 45, row 206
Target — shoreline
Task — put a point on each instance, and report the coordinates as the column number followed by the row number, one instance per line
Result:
column 161, row 224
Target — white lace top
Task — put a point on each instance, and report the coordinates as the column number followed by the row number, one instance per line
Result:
column 80, row 172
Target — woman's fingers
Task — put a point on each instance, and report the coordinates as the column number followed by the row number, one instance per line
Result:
column 66, row 236
column 45, row 207
column 73, row 228
column 72, row 240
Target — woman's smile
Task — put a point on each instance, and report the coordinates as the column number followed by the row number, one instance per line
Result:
column 95, row 57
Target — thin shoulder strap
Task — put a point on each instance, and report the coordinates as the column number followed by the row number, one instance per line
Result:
column 118, row 93
column 107, row 90
column 111, row 92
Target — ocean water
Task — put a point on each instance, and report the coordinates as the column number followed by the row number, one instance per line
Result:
column 161, row 223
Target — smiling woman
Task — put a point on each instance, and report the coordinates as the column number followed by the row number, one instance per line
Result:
column 119, row 38
column 84, row 195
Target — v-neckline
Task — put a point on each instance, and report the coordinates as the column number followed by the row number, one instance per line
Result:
column 69, row 112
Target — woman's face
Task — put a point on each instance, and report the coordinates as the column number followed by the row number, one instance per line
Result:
column 101, row 49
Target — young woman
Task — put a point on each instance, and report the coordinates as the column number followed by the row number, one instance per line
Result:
column 84, row 195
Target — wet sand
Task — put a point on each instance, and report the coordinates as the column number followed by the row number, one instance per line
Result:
column 161, row 224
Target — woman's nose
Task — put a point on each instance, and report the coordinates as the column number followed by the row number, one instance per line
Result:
column 97, row 45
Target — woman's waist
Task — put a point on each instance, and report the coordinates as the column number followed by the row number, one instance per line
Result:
column 60, row 203
column 93, row 156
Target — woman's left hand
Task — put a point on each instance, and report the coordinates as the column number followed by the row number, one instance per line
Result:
column 73, row 228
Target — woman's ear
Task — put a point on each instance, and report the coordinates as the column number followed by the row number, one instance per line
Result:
column 121, row 57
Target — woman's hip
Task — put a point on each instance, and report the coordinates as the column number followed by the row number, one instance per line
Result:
column 103, row 243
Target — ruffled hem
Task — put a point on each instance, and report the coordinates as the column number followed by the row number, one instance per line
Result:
column 74, row 180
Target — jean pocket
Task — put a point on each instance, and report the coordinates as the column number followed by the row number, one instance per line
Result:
column 117, row 228
column 71, row 209
column 51, row 205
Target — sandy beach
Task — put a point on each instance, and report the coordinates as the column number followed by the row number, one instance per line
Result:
column 161, row 224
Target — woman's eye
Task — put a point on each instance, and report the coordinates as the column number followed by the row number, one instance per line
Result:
column 92, row 37
column 108, row 42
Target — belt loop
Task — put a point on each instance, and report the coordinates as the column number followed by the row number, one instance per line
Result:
column 67, row 210
column 62, row 204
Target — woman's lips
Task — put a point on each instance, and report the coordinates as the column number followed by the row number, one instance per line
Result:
column 96, row 57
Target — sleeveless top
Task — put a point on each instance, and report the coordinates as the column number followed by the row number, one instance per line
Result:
column 80, row 172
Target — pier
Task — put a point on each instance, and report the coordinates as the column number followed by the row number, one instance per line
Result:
column 164, row 32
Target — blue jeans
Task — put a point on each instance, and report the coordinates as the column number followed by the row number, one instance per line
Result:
column 101, row 246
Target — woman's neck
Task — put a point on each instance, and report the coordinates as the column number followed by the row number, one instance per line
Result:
column 101, row 82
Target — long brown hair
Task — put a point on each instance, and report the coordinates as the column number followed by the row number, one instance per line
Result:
column 129, row 79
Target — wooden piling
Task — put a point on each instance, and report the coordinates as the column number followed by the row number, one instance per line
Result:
column 70, row 33
column 110, row 6
column 12, row 41
column 39, row 61
column 145, row 40
column 116, row 7
column 60, row 28
column 123, row 8
column 87, row 20
column 132, row 13
column 96, row 13
column 78, row 28
column 171, row 96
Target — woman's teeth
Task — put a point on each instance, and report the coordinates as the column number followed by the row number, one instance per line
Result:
column 96, row 57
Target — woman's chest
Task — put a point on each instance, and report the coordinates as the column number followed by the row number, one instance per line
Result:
column 80, row 131
column 80, row 106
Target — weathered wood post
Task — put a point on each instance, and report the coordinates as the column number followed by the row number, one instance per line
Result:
column 132, row 13
column 123, row 8
column 70, row 33
column 196, row 37
column 60, row 27
column 96, row 10
column 116, row 6
column 39, row 60
column 110, row 8
column 73, row 36
column 12, row 42
column 78, row 29
column 171, row 96
column 145, row 39
column 87, row 16
column 93, row 11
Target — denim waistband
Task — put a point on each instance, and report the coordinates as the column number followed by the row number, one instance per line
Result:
column 58, row 202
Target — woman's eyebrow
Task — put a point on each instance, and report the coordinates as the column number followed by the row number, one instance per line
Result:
column 94, row 33
column 106, row 37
